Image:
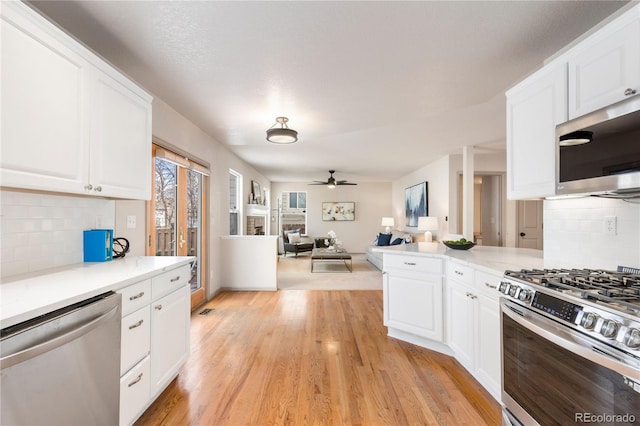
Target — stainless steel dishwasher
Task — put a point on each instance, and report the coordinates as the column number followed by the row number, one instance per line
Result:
column 63, row 368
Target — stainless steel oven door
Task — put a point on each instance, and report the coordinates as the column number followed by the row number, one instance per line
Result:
column 555, row 375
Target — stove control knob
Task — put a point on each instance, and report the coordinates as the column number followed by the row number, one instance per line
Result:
column 632, row 338
column 609, row 328
column 525, row 295
column 504, row 287
column 513, row 290
column 589, row 320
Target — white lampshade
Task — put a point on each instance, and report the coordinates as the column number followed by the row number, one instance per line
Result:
column 428, row 224
column 389, row 223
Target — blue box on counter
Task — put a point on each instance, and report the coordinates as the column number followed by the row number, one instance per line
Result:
column 98, row 245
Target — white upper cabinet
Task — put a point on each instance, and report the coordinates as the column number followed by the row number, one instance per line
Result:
column 605, row 68
column 534, row 108
column 45, row 126
column 121, row 147
column 70, row 122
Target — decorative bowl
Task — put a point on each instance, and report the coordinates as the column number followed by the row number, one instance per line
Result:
column 465, row 246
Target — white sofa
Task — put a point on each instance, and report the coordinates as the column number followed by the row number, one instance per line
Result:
column 375, row 258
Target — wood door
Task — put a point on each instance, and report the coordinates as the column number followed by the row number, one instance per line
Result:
column 529, row 228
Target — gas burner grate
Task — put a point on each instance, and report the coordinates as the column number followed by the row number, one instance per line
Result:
column 620, row 288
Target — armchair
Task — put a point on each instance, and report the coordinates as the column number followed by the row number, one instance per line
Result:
column 293, row 244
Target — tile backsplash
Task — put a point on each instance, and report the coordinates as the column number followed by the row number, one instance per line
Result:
column 40, row 231
column 574, row 232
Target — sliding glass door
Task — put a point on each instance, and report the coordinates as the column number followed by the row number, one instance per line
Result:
column 177, row 214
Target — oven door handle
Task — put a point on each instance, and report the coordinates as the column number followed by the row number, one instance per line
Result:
column 573, row 342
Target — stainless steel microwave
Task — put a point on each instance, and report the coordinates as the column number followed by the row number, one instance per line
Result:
column 599, row 153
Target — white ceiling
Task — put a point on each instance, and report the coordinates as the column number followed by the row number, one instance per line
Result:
column 376, row 90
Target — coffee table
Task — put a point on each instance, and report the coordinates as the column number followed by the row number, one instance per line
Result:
column 326, row 255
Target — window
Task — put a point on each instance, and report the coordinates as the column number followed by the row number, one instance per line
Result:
column 294, row 211
column 235, row 203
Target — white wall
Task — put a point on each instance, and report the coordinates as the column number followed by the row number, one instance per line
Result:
column 574, row 233
column 437, row 176
column 372, row 202
column 40, row 231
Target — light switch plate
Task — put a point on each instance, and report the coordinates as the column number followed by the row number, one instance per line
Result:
column 131, row 222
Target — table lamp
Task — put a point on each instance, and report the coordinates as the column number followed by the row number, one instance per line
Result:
column 428, row 224
column 388, row 222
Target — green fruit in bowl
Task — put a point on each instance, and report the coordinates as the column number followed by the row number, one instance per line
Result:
column 460, row 242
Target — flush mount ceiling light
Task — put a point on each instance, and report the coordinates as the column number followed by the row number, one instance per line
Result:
column 282, row 134
column 579, row 137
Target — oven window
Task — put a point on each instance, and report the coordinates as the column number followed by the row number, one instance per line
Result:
column 556, row 386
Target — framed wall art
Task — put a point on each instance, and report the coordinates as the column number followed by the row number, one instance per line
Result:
column 338, row 210
column 416, row 203
column 255, row 191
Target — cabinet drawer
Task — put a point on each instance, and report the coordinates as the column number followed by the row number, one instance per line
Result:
column 169, row 281
column 488, row 284
column 135, row 337
column 413, row 263
column 134, row 392
column 459, row 272
column 135, row 296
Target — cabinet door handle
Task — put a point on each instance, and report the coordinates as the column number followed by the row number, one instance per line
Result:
column 137, row 296
column 458, row 272
column 137, row 379
column 158, row 307
column 98, row 188
column 630, row 92
column 88, row 187
column 138, row 324
column 410, row 263
column 173, row 280
column 491, row 286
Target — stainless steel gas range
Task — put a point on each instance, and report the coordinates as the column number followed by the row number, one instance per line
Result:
column 570, row 347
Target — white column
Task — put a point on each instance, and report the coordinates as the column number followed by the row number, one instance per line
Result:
column 467, row 192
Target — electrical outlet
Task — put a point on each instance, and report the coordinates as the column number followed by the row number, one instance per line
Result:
column 131, row 222
column 610, row 225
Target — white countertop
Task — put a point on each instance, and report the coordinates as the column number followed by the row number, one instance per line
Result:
column 23, row 297
column 493, row 259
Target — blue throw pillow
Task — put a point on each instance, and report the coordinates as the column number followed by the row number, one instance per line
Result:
column 396, row 242
column 384, row 239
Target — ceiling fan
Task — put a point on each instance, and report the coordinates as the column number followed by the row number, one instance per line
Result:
column 332, row 182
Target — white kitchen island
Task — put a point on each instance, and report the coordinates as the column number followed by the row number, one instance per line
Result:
column 447, row 300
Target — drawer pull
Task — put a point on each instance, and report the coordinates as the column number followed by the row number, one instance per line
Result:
column 138, row 324
column 629, row 92
column 137, row 296
column 158, row 307
column 137, row 379
column 410, row 263
column 472, row 296
column 173, row 280
column 491, row 286
column 458, row 272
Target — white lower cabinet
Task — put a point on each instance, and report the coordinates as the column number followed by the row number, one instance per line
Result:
column 460, row 320
column 473, row 324
column 412, row 289
column 154, row 338
column 135, row 389
column 169, row 337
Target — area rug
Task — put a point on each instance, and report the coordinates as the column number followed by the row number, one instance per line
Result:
column 294, row 273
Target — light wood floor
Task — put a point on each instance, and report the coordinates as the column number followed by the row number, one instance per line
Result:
column 313, row 357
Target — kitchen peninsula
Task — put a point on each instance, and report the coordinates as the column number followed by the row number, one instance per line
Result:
column 448, row 301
